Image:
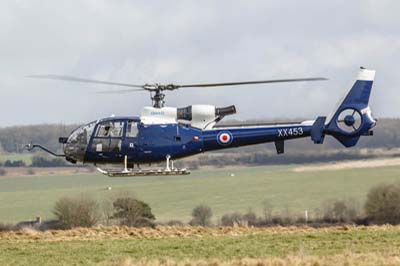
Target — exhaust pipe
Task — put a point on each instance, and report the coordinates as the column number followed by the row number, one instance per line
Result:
column 224, row 111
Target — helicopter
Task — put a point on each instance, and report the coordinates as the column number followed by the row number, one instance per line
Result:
column 164, row 134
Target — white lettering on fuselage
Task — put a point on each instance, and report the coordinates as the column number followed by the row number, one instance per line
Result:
column 288, row 132
column 157, row 113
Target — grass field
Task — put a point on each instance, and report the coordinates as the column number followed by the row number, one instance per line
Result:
column 204, row 246
column 174, row 197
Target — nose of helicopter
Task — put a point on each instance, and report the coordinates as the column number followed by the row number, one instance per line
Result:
column 75, row 145
column 74, row 152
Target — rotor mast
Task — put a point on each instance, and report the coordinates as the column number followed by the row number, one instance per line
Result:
column 157, row 99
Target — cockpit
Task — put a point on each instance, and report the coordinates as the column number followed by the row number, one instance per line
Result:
column 78, row 141
column 102, row 137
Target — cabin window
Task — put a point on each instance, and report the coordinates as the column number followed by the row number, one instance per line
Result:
column 106, row 145
column 112, row 129
column 132, row 129
column 108, row 136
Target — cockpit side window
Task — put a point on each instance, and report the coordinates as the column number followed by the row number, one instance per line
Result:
column 108, row 136
column 113, row 129
column 132, row 129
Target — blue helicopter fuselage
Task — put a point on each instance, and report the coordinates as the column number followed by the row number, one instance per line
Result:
column 153, row 143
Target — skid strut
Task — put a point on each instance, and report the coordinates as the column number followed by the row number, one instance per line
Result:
column 168, row 170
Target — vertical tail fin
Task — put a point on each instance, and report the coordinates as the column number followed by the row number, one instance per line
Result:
column 352, row 118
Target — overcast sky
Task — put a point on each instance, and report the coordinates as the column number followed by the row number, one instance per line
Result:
column 189, row 42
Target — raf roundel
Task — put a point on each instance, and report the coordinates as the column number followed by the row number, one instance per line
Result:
column 224, row 138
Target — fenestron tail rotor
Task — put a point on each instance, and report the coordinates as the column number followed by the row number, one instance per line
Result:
column 349, row 120
column 156, row 89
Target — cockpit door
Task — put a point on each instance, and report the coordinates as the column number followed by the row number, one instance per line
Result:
column 107, row 140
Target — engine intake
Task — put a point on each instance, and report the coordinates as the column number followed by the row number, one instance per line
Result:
column 203, row 116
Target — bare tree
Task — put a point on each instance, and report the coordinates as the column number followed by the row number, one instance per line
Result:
column 201, row 215
column 250, row 217
column 339, row 210
column 383, row 204
column 107, row 211
column 231, row 219
column 76, row 212
column 267, row 210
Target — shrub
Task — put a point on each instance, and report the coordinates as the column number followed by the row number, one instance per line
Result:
column 250, row 218
column 231, row 219
column 76, row 212
column 51, row 225
column 107, row 211
column 133, row 212
column 30, row 171
column 287, row 217
column 277, row 220
column 18, row 163
column 7, row 227
column 3, row 172
column 383, row 204
column 201, row 216
column 235, row 218
column 340, row 211
column 267, row 210
column 39, row 161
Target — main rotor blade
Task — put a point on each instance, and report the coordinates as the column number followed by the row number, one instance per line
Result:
column 160, row 87
column 119, row 91
column 74, row 79
column 248, row 82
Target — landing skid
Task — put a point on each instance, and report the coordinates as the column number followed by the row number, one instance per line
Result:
column 148, row 172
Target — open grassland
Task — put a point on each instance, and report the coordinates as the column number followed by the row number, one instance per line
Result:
column 173, row 197
column 203, row 246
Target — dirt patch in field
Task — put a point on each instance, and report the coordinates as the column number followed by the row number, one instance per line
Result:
column 46, row 171
column 348, row 165
column 124, row 232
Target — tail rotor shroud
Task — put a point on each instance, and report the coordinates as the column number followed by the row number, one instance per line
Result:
column 349, row 120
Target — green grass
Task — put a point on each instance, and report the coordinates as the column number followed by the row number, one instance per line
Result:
column 264, row 245
column 174, row 197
